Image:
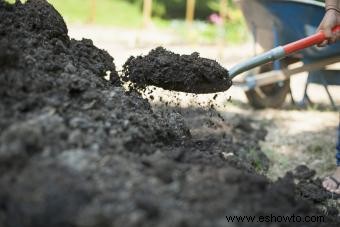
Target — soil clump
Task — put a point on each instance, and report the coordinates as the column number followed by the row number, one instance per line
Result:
column 170, row 71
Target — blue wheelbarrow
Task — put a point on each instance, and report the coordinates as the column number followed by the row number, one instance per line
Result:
column 274, row 23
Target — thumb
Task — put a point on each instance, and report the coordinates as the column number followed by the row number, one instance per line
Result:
column 323, row 44
column 327, row 30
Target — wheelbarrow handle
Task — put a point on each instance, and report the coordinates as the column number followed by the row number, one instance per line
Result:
column 307, row 42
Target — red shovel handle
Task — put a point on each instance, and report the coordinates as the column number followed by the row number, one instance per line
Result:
column 308, row 42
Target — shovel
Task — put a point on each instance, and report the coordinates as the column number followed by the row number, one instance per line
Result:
column 279, row 53
column 224, row 83
column 216, row 79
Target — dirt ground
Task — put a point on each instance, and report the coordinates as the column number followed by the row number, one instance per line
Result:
column 77, row 149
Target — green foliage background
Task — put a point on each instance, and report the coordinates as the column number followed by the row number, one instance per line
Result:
column 175, row 9
column 166, row 14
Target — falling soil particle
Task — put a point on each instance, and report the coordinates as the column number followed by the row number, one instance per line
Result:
column 77, row 150
column 170, row 71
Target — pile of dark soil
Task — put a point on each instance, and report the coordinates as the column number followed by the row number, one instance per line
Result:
column 186, row 73
column 77, row 150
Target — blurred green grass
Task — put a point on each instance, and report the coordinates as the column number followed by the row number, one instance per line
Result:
column 122, row 13
column 108, row 12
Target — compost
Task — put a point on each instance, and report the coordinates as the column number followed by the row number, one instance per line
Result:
column 186, row 73
column 77, row 150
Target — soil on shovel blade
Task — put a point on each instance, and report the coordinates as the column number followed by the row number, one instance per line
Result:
column 77, row 150
column 170, row 71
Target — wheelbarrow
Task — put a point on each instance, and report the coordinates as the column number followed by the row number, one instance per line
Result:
column 277, row 22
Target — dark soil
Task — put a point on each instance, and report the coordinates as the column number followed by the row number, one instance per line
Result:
column 77, row 150
column 170, row 71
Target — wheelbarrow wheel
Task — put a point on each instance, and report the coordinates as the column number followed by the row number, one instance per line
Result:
column 268, row 96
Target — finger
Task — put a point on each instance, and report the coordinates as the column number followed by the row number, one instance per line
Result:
column 328, row 32
column 323, row 44
column 332, row 39
column 337, row 34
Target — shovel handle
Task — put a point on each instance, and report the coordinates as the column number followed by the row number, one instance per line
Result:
column 279, row 52
column 308, row 42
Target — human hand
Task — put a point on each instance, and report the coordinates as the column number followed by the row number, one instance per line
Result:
column 330, row 20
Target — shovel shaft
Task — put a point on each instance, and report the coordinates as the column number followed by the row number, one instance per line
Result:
column 307, row 42
column 269, row 56
column 279, row 52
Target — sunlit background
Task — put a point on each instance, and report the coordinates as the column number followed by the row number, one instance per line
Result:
column 203, row 15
